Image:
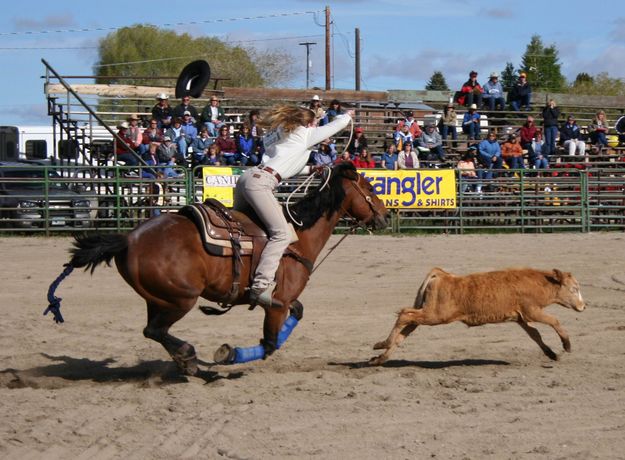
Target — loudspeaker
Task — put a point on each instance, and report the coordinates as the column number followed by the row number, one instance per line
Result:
column 193, row 79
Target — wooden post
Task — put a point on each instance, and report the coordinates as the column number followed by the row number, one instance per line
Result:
column 328, row 69
column 357, row 73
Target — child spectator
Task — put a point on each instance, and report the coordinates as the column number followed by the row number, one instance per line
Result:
column 512, row 153
column 403, row 137
column 413, row 126
column 466, row 168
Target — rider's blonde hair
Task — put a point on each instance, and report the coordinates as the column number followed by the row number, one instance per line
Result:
column 288, row 117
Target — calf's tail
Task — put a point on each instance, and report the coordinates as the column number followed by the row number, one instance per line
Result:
column 422, row 292
column 88, row 252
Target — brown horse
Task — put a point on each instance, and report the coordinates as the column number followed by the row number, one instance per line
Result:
column 164, row 261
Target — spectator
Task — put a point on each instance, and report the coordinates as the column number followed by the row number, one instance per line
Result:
column 527, row 134
column 471, row 123
column 512, row 153
column 489, row 155
column 550, row 126
column 471, row 91
column 431, row 143
column 135, row 133
column 540, row 159
column 324, row 155
column 389, row 158
column 448, row 123
column 200, row 146
column 334, row 110
column 162, row 112
column 358, row 142
column 151, row 159
column 256, row 131
column 570, row 136
column 403, row 137
column 521, row 94
column 466, row 168
column 344, row 158
column 214, row 157
column 177, row 136
column 213, row 116
column 167, row 152
column 493, row 93
column 407, row 158
column 246, row 147
column 320, row 114
column 189, row 132
column 413, row 126
column 598, row 130
column 185, row 106
column 122, row 152
column 227, row 146
column 363, row 160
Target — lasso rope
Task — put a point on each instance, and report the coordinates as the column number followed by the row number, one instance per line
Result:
column 55, row 302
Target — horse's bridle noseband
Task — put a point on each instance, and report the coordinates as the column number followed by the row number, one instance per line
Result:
column 369, row 201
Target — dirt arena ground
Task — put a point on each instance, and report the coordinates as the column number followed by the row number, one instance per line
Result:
column 94, row 388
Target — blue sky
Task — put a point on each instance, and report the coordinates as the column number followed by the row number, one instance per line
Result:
column 403, row 41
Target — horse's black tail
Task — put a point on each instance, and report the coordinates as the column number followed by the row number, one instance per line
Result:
column 89, row 251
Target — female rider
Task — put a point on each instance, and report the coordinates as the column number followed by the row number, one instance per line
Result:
column 289, row 136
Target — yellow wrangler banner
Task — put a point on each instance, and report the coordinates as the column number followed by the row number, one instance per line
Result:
column 219, row 182
column 414, row 188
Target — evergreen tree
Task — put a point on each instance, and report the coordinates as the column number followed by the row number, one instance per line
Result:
column 600, row 85
column 508, row 77
column 437, row 82
column 541, row 65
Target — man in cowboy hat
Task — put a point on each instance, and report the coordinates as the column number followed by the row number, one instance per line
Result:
column 135, row 133
column 493, row 93
column 122, row 153
column 162, row 111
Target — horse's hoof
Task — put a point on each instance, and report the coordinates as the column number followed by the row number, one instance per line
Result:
column 224, row 354
column 377, row 361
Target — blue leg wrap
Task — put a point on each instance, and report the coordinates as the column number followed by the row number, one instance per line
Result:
column 244, row 355
column 55, row 302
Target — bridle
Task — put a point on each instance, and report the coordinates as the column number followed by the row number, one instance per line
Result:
column 369, row 200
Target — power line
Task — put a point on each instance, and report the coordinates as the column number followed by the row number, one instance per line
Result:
column 167, row 24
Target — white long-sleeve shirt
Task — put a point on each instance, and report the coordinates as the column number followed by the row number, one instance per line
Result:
column 288, row 153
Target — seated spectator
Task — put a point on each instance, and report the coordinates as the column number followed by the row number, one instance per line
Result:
column 389, row 158
column 246, row 147
column 466, row 168
column 512, row 153
column 407, row 158
column 448, row 122
column 167, row 153
column 227, row 146
column 358, row 142
column 213, row 116
column 489, row 153
column 185, row 106
column 213, row 158
column 200, row 146
column 177, row 136
column 471, row 123
column 527, row 134
column 539, row 158
column 598, row 130
column 151, row 159
column 344, row 158
column 403, row 137
column 135, row 133
column 471, row 91
column 189, row 131
column 521, row 94
column 324, row 155
column 430, row 144
column 122, row 153
column 363, row 160
column 256, row 131
column 334, row 110
column 493, row 93
column 162, row 112
column 320, row 113
column 570, row 136
column 550, row 126
column 413, row 126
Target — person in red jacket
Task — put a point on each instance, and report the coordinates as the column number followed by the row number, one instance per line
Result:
column 471, row 91
column 364, row 160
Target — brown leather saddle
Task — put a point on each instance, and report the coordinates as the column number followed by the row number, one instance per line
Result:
column 227, row 233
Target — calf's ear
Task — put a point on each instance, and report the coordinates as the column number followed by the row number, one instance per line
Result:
column 558, row 276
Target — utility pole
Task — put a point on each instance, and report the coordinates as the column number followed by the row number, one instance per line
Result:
column 357, row 71
column 328, row 70
column 308, row 63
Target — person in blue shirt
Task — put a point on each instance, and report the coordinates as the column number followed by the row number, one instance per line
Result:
column 489, row 156
column 471, row 123
column 389, row 158
column 493, row 93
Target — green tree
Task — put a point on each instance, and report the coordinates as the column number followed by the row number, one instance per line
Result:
column 599, row 85
column 541, row 65
column 437, row 82
column 508, row 77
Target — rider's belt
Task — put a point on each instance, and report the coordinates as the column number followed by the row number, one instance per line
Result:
column 272, row 172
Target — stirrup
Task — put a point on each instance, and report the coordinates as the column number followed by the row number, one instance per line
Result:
column 264, row 298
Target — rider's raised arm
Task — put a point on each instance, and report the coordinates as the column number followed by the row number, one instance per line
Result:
column 317, row 134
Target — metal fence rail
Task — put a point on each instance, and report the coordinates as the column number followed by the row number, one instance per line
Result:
column 71, row 199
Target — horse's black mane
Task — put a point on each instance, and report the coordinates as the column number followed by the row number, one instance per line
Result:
column 326, row 202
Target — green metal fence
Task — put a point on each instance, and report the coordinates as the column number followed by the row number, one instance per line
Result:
column 47, row 199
